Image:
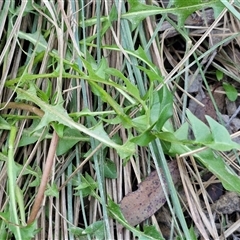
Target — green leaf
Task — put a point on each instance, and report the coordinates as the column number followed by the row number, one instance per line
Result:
column 94, row 228
column 129, row 146
column 131, row 89
column 140, row 122
column 231, row 91
column 219, row 75
column 219, row 168
column 153, row 75
column 82, row 186
column 48, row 117
column 144, row 138
column 160, row 111
column 166, row 102
column 182, row 132
column 69, row 139
column 77, row 232
column 151, row 231
column 213, row 163
column 87, row 185
column 141, row 54
column 46, row 94
column 192, row 233
column 52, row 190
column 100, row 70
column 28, row 9
column 30, row 137
column 4, row 218
column 110, row 169
column 99, row 91
column 188, row 7
column 58, row 113
column 36, row 39
column 201, row 131
column 222, row 140
column 3, row 157
column 182, row 9
column 170, row 137
column 27, row 232
column 4, row 124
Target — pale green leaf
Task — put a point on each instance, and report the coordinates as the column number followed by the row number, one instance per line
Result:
column 52, row 190
column 216, row 165
column 231, row 91
column 94, row 228
column 36, row 39
column 221, row 138
column 219, row 75
column 4, row 124
column 201, row 131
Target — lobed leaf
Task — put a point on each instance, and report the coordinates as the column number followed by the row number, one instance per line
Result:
column 58, row 114
column 182, row 10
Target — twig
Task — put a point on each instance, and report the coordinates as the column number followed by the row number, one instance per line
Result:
column 45, row 176
column 49, row 161
column 22, row 106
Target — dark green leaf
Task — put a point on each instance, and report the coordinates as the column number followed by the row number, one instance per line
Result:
column 166, row 102
column 87, row 185
column 131, row 89
column 30, row 137
column 144, row 138
column 151, row 231
column 182, row 10
column 69, row 139
column 110, row 169
column 153, row 75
